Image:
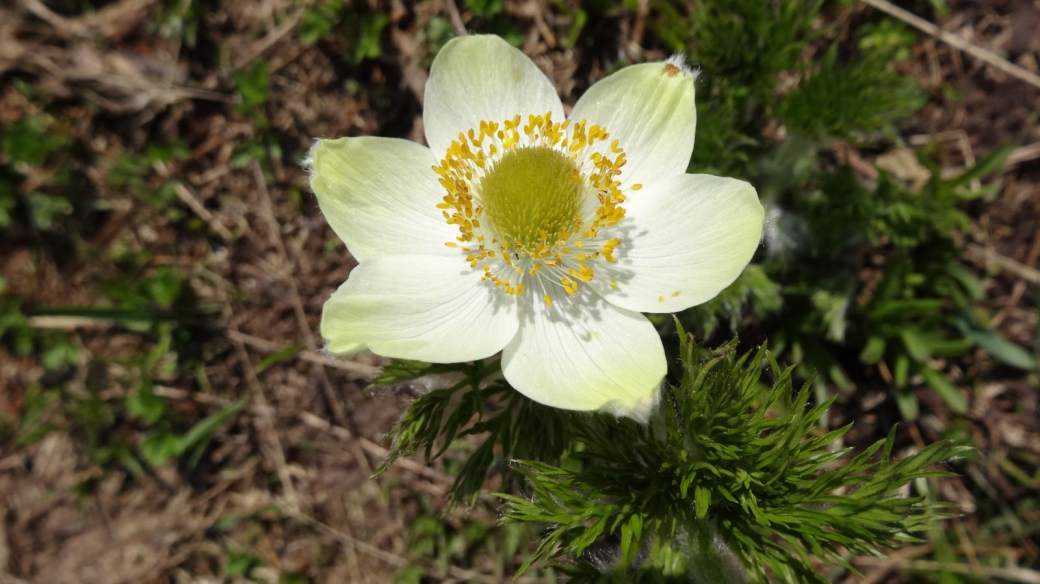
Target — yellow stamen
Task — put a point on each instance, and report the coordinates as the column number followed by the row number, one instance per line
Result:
column 526, row 184
column 570, row 286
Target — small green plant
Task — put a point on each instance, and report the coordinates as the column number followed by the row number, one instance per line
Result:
column 512, row 425
column 829, row 225
column 7, row 203
column 351, row 22
column 861, row 96
column 727, row 471
column 736, row 478
column 180, row 19
column 485, row 8
column 36, row 141
column 746, row 42
column 136, row 173
column 726, row 464
column 252, row 86
column 241, row 565
column 151, row 305
column 31, row 139
column 452, row 540
column 923, row 304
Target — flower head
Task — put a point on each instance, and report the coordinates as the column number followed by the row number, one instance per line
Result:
column 525, row 231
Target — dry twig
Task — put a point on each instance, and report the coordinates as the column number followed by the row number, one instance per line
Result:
column 193, row 203
column 455, row 17
column 199, row 209
column 1010, row 574
column 100, row 23
column 990, row 256
column 301, row 315
column 264, row 421
column 1023, row 154
column 336, row 408
column 957, row 42
column 360, row 370
column 885, row 566
column 452, row 572
column 269, row 40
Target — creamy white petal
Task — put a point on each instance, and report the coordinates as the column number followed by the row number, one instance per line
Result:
column 380, row 196
column 584, row 354
column 683, row 240
column 649, row 109
column 475, row 78
column 427, row 308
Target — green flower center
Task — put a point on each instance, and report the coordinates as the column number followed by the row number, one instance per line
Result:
column 531, row 195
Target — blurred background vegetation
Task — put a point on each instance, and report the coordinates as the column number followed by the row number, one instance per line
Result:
column 165, row 412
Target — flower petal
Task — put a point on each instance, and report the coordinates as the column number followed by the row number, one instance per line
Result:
column 581, row 353
column 475, row 78
column 380, row 195
column 684, row 240
column 649, row 109
column 427, row 308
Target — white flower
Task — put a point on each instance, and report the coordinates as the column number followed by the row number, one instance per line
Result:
column 521, row 231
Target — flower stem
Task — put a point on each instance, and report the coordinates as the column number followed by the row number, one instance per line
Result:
column 710, row 561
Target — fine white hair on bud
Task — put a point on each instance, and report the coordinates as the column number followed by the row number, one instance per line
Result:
column 307, row 164
column 678, row 60
column 639, row 412
column 770, row 229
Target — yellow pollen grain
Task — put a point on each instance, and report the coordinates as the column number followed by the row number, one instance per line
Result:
column 548, row 301
column 660, row 298
column 676, row 293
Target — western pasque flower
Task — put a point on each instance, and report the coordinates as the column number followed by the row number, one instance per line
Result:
column 529, row 232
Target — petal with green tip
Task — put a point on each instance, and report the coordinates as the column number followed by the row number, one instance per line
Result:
column 649, row 110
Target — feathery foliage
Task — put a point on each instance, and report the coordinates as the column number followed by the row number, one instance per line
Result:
column 516, row 427
column 727, row 464
column 732, row 475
